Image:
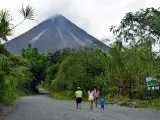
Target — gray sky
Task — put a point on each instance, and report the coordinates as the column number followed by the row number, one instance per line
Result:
column 94, row 16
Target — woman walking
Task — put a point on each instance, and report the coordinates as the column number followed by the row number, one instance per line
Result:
column 96, row 96
column 78, row 95
column 91, row 99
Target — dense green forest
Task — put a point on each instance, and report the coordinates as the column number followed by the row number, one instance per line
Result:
column 128, row 61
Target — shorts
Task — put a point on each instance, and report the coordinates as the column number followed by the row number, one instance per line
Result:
column 90, row 98
column 102, row 106
column 96, row 98
column 78, row 100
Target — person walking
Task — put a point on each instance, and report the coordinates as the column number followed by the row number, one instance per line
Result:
column 78, row 95
column 96, row 96
column 91, row 99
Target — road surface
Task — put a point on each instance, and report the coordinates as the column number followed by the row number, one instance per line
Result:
column 41, row 107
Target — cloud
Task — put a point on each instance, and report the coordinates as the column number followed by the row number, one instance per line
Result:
column 94, row 16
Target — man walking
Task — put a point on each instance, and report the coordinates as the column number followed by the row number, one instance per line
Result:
column 78, row 95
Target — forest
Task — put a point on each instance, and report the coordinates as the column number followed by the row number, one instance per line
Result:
column 129, row 59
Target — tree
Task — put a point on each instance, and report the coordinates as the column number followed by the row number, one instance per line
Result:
column 6, row 28
column 36, row 64
column 80, row 68
column 139, row 28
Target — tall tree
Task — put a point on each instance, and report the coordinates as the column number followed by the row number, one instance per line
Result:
column 142, row 27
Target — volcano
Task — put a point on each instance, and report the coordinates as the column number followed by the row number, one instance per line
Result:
column 54, row 34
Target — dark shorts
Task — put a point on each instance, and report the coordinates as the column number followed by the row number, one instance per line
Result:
column 78, row 100
column 95, row 98
column 102, row 106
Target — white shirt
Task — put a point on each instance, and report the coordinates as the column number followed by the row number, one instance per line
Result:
column 90, row 93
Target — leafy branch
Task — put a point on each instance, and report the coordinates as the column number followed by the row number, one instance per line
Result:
column 27, row 12
column 6, row 28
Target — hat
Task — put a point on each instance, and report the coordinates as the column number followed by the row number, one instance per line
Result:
column 78, row 88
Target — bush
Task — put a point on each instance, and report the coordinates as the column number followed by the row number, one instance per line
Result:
column 155, row 103
column 15, row 79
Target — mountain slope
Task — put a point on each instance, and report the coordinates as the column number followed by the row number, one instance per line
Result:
column 53, row 34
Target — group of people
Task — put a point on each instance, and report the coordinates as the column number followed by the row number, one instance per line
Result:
column 93, row 96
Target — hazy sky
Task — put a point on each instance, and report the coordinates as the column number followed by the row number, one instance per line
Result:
column 94, row 16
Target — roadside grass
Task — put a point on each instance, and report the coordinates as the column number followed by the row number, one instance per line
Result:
column 1, row 113
column 147, row 103
column 39, row 86
column 62, row 96
column 155, row 104
column 9, row 98
column 122, row 98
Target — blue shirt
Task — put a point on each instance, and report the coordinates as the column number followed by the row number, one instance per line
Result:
column 102, row 101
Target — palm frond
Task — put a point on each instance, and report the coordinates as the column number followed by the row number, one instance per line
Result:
column 27, row 12
column 5, row 25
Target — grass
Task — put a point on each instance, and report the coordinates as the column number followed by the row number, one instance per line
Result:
column 9, row 98
column 155, row 104
column 63, row 96
column 152, row 103
column 1, row 113
column 148, row 103
column 122, row 98
column 39, row 86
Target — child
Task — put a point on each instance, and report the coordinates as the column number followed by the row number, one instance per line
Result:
column 102, row 102
column 91, row 99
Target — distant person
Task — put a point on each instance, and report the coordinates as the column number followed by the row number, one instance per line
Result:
column 78, row 95
column 102, row 102
column 91, row 99
column 96, row 96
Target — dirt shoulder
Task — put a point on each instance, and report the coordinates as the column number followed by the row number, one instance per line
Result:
column 5, row 110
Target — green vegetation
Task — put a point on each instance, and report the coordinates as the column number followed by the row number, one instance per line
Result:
column 36, row 65
column 128, row 61
column 15, row 77
column 148, row 103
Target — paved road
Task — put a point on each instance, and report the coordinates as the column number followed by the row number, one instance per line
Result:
column 41, row 107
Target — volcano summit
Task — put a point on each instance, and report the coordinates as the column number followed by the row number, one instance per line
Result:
column 53, row 34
